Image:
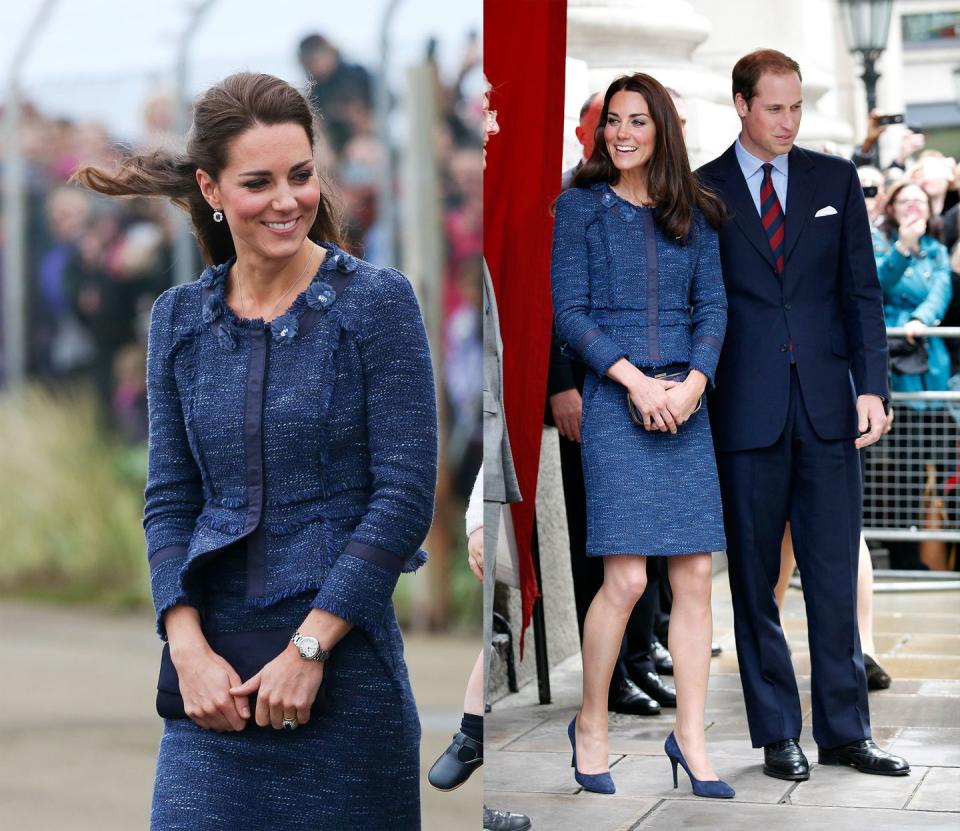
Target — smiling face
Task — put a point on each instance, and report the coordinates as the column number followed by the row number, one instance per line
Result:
column 268, row 191
column 771, row 119
column 629, row 134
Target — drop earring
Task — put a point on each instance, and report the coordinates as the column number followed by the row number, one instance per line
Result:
column 218, row 216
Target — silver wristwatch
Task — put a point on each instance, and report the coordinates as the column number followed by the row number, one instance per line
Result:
column 309, row 647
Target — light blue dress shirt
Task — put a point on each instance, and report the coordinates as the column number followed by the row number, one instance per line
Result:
column 752, row 168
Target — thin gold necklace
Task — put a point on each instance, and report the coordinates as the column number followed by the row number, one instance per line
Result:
column 243, row 302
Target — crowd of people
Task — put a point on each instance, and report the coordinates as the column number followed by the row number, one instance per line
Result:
column 94, row 266
column 913, row 203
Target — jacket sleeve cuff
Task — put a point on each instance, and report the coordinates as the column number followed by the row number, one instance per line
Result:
column 599, row 351
column 705, row 356
column 165, row 584
column 360, row 585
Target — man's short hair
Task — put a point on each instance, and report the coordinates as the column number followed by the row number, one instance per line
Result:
column 747, row 71
column 587, row 103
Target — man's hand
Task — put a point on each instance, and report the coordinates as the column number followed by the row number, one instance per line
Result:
column 567, row 409
column 871, row 418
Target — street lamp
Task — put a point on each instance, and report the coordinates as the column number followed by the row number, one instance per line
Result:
column 867, row 24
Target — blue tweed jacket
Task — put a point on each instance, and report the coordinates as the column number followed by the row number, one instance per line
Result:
column 675, row 313
column 314, row 436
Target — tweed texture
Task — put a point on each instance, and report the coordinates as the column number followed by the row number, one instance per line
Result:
column 330, row 772
column 622, row 289
column 310, row 445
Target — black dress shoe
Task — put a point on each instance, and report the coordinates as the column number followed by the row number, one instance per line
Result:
column 650, row 683
column 458, row 761
column 627, row 698
column 504, row 820
column 877, row 677
column 785, row 760
column 662, row 661
column 715, row 649
column 866, row 757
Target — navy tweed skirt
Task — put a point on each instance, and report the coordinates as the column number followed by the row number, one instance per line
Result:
column 649, row 493
column 356, row 766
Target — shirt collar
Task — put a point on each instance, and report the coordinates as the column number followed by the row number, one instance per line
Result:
column 750, row 164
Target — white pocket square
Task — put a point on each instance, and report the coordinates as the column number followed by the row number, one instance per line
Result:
column 827, row 211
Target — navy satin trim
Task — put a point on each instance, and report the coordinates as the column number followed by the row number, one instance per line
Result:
column 253, row 442
column 371, row 553
column 588, row 337
column 653, row 312
column 169, row 552
column 714, row 342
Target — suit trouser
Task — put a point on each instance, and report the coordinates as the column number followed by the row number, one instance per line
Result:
column 588, row 571
column 816, row 485
column 491, row 534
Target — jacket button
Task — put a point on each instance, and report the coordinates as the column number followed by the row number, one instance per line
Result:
column 783, row 347
column 787, row 306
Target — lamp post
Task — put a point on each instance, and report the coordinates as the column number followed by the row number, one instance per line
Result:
column 867, row 25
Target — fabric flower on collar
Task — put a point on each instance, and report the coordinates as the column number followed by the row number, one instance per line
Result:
column 226, row 338
column 213, row 309
column 345, row 263
column 213, row 275
column 320, row 295
column 284, row 328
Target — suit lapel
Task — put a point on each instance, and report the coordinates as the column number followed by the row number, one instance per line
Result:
column 800, row 189
column 740, row 203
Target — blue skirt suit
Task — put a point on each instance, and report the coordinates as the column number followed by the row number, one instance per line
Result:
column 292, row 466
column 622, row 289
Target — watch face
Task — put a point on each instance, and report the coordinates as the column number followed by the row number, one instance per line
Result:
column 309, row 647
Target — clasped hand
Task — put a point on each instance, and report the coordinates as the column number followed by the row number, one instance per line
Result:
column 666, row 405
column 215, row 697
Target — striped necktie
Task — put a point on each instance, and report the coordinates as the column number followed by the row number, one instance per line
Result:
column 771, row 215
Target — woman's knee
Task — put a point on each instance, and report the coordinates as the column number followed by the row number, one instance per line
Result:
column 626, row 582
column 692, row 573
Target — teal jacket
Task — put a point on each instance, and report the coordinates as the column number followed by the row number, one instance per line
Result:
column 917, row 287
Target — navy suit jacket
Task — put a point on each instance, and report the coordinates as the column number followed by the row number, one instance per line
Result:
column 827, row 302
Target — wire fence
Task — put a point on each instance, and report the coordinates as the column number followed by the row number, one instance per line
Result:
column 912, row 476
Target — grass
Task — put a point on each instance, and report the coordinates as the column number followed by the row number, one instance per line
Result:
column 71, row 500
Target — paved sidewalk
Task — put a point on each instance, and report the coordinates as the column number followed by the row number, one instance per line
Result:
column 78, row 733
column 918, row 642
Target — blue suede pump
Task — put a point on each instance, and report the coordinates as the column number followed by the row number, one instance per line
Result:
column 713, row 788
column 595, row 782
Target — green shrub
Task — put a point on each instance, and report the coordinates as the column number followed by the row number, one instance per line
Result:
column 71, row 499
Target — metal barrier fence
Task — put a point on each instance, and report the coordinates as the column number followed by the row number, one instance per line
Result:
column 912, row 475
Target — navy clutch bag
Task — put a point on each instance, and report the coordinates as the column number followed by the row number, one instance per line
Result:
column 246, row 652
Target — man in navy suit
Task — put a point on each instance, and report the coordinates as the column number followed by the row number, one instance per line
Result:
column 801, row 387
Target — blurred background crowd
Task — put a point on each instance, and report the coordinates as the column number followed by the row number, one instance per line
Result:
column 913, row 201
column 94, row 267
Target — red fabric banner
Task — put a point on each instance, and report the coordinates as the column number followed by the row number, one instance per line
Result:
column 525, row 45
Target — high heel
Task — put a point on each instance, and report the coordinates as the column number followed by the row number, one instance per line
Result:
column 714, row 788
column 596, row 782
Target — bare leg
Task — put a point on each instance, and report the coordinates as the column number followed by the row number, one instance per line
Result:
column 787, row 564
column 624, row 579
column 865, row 599
column 473, row 699
column 691, row 633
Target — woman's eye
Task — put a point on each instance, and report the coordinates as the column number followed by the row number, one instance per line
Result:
column 254, row 184
column 304, row 175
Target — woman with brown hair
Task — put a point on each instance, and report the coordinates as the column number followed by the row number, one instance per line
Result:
column 292, row 462
column 638, row 295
